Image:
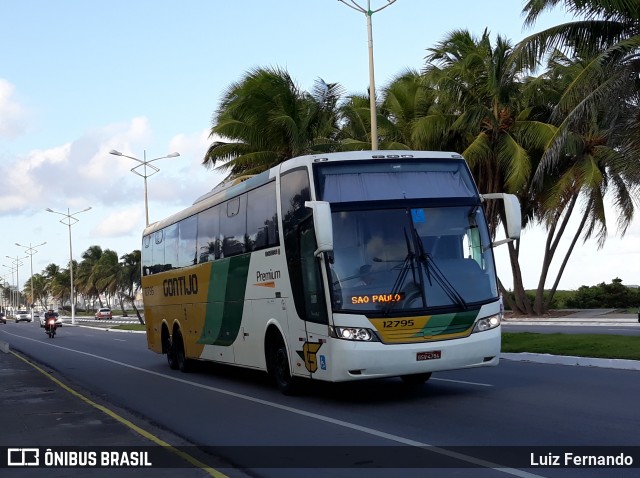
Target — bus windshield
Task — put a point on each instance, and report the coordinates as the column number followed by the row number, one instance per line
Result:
column 396, row 260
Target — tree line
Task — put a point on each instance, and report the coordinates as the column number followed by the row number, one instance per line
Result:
column 552, row 119
column 100, row 279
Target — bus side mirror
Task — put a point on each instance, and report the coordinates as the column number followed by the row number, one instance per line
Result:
column 322, row 225
column 513, row 217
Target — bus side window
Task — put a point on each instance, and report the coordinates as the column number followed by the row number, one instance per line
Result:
column 158, row 252
column 187, row 251
column 233, row 226
column 294, row 191
column 147, row 256
column 209, row 234
column 262, row 218
column 170, row 247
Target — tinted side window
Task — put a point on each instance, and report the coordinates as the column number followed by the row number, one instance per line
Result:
column 187, row 231
column 233, row 226
column 171, row 247
column 294, row 191
column 147, row 255
column 209, row 234
column 262, row 218
column 158, row 252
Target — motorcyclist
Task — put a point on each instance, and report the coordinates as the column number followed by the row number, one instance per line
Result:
column 49, row 314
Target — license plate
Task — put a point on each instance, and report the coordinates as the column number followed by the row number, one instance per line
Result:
column 431, row 355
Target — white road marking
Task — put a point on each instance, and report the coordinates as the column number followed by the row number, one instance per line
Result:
column 316, row 416
column 462, row 381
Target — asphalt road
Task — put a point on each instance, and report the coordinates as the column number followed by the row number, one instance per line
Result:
column 514, row 407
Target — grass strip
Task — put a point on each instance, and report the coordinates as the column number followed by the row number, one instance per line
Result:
column 129, row 327
column 578, row 345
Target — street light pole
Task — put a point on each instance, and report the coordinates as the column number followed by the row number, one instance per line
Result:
column 70, row 220
column 372, row 85
column 144, row 164
column 11, row 292
column 31, row 250
column 18, row 262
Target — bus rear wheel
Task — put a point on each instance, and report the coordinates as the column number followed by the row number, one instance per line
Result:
column 416, row 379
column 172, row 360
column 184, row 364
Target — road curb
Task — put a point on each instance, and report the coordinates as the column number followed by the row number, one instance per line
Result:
column 619, row 364
column 4, row 346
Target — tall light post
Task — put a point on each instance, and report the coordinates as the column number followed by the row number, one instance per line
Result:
column 372, row 85
column 11, row 292
column 31, row 250
column 17, row 262
column 3, row 288
column 69, row 220
column 144, row 164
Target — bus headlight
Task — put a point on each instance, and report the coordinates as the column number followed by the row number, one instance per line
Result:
column 487, row 323
column 354, row 333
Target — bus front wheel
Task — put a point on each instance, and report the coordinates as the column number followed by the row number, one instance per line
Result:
column 279, row 368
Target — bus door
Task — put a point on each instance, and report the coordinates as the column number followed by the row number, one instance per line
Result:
column 315, row 348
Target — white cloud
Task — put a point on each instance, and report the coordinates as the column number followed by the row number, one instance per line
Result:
column 12, row 115
column 119, row 223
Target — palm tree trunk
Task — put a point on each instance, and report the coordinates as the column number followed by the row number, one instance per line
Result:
column 137, row 311
column 553, row 239
column 566, row 258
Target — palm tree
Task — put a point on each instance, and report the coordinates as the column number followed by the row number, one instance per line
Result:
column 591, row 166
column 485, row 114
column 407, row 102
column 266, row 119
column 607, row 32
column 594, row 150
column 85, row 278
column 106, row 275
column 130, row 280
column 355, row 128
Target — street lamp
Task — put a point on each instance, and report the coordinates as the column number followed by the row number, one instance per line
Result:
column 11, row 291
column 70, row 220
column 17, row 262
column 144, row 164
column 372, row 88
column 3, row 290
column 31, row 250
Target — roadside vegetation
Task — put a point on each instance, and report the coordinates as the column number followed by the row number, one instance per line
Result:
column 577, row 345
column 612, row 295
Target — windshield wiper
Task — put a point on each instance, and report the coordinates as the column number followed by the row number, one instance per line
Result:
column 407, row 264
column 431, row 267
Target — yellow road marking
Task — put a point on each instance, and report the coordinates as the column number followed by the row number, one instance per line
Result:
column 185, row 456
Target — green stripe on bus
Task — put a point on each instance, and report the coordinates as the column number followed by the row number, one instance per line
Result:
column 224, row 311
column 444, row 324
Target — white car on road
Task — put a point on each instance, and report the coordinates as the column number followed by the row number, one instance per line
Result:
column 23, row 316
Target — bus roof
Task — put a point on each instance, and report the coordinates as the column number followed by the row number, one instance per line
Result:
column 228, row 189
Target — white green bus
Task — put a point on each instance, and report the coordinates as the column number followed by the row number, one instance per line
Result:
column 335, row 267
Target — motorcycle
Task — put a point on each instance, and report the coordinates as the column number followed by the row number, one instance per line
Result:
column 50, row 327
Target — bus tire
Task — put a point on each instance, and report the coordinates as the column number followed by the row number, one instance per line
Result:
column 416, row 379
column 184, row 364
column 279, row 368
column 172, row 360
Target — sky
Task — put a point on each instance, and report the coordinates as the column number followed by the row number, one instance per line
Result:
column 79, row 79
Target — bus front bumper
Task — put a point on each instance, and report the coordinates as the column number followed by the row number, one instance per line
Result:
column 366, row 360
